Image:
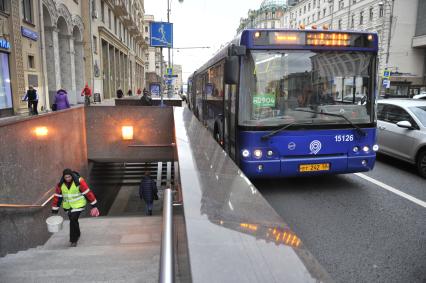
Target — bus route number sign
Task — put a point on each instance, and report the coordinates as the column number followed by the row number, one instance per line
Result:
column 264, row 100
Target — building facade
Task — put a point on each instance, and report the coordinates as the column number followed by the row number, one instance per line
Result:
column 21, row 57
column 393, row 20
column 117, row 40
column 153, row 55
column 269, row 15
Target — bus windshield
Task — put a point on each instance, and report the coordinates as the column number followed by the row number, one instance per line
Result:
column 282, row 87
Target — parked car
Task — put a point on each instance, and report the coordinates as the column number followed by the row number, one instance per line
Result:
column 420, row 96
column 401, row 130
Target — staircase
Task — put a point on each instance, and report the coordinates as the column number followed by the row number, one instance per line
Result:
column 116, row 185
column 114, row 249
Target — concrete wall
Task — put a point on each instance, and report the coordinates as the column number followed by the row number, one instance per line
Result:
column 152, row 126
column 30, row 166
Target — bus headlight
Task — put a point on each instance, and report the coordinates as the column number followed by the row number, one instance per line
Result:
column 245, row 153
column 269, row 153
column 376, row 147
column 257, row 153
column 366, row 149
column 355, row 149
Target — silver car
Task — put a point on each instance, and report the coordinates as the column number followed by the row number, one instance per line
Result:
column 401, row 130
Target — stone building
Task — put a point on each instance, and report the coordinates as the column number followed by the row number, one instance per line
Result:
column 20, row 55
column 152, row 55
column 393, row 20
column 117, row 40
column 63, row 52
column 269, row 15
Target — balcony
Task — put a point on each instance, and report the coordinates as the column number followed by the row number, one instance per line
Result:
column 127, row 20
column 133, row 30
column 120, row 8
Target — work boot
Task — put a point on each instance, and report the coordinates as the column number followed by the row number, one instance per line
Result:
column 73, row 244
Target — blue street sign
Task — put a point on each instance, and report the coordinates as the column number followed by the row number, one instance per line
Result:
column 169, row 71
column 29, row 33
column 386, row 74
column 161, row 34
column 386, row 83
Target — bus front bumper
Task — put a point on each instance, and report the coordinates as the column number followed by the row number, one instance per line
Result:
column 289, row 167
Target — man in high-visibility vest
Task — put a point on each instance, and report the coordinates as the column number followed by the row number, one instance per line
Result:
column 73, row 193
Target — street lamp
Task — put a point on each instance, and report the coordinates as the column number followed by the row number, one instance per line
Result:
column 169, row 62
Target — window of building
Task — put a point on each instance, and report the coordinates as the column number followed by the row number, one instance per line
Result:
column 352, row 21
column 309, row 20
column 353, row 1
column 109, row 18
column 313, row 17
column 315, row 2
column 371, row 13
column 319, row 15
column 273, row 24
column 102, row 11
column 341, row 4
column 146, row 29
column 324, row 12
column 95, row 44
column 361, row 17
column 5, row 88
column 27, row 10
column 309, row 7
column 115, row 25
column 339, row 24
column 304, row 9
column 4, row 6
column 330, row 9
column 380, row 11
column 300, row 12
column 31, row 62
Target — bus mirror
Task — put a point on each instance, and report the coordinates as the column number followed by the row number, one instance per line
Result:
column 231, row 70
column 237, row 50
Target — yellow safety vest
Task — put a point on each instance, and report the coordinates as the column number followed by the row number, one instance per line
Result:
column 72, row 197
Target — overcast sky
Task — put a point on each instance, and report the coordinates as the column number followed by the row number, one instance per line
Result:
column 200, row 23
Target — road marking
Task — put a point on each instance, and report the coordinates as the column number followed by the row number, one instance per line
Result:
column 393, row 190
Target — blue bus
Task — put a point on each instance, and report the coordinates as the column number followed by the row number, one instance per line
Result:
column 292, row 102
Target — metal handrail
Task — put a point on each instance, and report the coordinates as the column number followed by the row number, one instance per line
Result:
column 34, row 205
column 167, row 254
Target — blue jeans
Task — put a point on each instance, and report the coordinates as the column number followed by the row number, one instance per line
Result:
column 148, row 207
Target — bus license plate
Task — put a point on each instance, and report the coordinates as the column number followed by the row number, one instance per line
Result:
column 314, row 167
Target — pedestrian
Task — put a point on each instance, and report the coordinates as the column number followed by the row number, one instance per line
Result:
column 130, row 93
column 61, row 100
column 148, row 192
column 145, row 92
column 32, row 98
column 139, row 92
column 120, row 93
column 87, row 93
column 146, row 99
column 73, row 193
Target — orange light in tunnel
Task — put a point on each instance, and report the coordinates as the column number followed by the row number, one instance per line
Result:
column 127, row 132
column 41, row 131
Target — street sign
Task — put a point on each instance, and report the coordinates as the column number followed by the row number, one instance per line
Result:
column 169, row 71
column 386, row 83
column 386, row 74
column 161, row 34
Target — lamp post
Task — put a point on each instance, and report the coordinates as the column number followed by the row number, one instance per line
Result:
column 390, row 4
column 169, row 62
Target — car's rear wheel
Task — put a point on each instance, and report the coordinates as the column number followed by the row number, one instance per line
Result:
column 421, row 163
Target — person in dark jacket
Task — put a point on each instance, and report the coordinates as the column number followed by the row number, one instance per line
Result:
column 61, row 100
column 120, row 93
column 32, row 98
column 130, row 93
column 146, row 99
column 148, row 192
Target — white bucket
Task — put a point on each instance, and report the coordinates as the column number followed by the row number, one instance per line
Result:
column 54, row 223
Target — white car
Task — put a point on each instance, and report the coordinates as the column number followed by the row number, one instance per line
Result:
column 401, row 130
column 420, row 96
